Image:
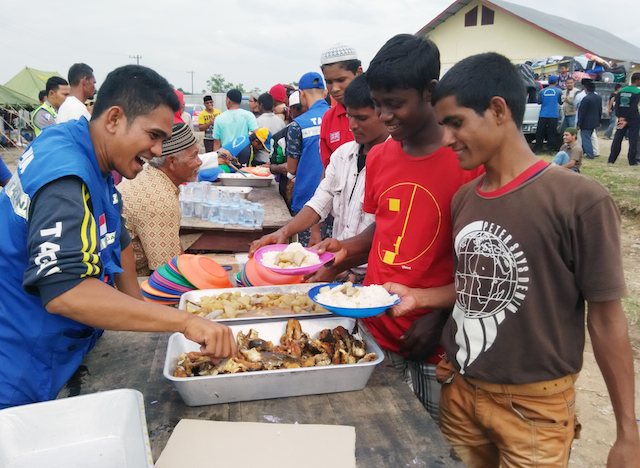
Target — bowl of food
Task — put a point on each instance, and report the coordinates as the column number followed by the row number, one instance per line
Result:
column 291, row 259
column 351, row 300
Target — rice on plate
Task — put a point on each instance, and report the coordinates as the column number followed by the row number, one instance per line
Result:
column 294, row 256
column 349, row 297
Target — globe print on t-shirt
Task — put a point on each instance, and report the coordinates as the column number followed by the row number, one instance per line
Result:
column 491, row 278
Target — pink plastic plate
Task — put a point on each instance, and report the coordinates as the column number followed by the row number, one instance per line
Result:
column 324, row 258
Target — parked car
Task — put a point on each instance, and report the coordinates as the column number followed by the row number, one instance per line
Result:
column 194, row 110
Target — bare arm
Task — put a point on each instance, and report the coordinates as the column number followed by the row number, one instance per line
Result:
column 127, row 281
column 349, row 253
column 216, row 145
column 292, row 165
column 607, row 326
column 442, row 297
column 570, row 164
column 96, row 304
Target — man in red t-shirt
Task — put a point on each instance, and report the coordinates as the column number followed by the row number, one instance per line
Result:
column 340, row 65
column 410, row 181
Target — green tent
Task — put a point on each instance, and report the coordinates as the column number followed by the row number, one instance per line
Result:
column 30, row 81
column 9, row 97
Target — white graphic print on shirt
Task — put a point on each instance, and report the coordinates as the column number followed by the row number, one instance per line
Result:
column 491, row 278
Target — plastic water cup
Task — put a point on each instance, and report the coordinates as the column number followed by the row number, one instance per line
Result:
column 257, row 204
column 188, row 191
column 224, row 197
column 246, row 215
column 197, row 209
column 223, row 218
column 234, row 214
column 235, row 198
column 213, row 193
column 214, row 216
column 206, row 211
column 198, row 191
column 187, row 209
column 258, row 216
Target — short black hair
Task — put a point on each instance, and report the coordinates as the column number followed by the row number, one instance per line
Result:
column 79, row 71
column 475, row 80
column 635, row 77
column 266, row 101
column 405, row 61
column 54, row 83
column 42, row 94
column 617, row 87
column 357, row 94
column 349, row 65
column 234, row 96
column 138, row 90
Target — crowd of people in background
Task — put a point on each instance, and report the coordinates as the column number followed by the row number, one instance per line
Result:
column 423, row 184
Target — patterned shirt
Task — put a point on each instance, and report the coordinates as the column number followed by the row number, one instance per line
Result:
column 152, row 213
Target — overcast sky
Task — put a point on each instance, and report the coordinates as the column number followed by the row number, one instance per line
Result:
column 257, row 43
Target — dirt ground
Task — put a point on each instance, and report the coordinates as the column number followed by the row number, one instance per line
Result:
column 593, row 405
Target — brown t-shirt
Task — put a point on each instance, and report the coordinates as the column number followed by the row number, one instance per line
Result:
column 574, row 152
column 526, row 261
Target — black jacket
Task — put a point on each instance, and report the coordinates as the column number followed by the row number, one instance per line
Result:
column 590, row 112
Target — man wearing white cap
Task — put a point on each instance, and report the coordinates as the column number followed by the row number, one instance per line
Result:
column 340, row 65
column 151, row 206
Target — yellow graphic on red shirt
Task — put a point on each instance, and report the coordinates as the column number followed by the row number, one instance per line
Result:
column 413, row 209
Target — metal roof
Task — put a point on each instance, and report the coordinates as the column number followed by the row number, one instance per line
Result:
column 586, row 37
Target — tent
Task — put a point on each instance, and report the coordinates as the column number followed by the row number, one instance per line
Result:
column 30, row 81
column 8, row 97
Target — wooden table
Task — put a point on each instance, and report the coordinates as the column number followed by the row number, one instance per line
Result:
column 392, row 427
column 234, row 237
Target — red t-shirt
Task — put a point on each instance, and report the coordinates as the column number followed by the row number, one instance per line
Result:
column 334, row 132
column 411, row 199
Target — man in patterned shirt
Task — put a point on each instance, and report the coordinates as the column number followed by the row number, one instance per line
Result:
column 151, row 205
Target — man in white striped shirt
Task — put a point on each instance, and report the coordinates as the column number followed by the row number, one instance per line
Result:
column 341, row 192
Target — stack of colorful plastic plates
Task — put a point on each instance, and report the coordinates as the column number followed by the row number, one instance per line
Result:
column 182, row 274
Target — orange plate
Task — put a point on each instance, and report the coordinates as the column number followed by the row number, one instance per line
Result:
column 183, row 261
column 151, row 290
column 252, row 170
column 267, row 277
column 204, row 273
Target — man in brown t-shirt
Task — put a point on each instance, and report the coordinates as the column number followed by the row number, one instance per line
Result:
column 532, row 242
column 570, row 154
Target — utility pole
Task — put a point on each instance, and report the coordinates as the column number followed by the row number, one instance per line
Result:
column 137, row 57
column 192, row 72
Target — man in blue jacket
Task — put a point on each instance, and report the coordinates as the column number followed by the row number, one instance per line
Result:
column 63, row 245
column 303, row 144
column 549, row 98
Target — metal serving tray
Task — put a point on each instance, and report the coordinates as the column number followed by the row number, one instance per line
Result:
column 194, row 296
column 249, row 181
column 262, row 385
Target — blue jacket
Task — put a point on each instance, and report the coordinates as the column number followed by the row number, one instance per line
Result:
column 309, row 172
column 550, row 97
column 40, row 351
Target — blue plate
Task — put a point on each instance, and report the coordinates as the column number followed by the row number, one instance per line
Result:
column 348, row 311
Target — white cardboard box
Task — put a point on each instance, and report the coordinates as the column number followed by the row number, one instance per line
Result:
column 101, row 430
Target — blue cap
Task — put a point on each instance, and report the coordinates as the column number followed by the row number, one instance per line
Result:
column 553, row 79
column 311, row 80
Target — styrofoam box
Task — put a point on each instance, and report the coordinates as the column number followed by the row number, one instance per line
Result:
column 261, row 385
column 195, row 296
column 100, row 430
column 242, row 181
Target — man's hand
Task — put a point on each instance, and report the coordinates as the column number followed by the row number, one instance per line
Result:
column 409, row 301
column 423, row 337
column 334, row 246
column 216, row 340
column 622, row 122
column 624, row 453
column 277, row 237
